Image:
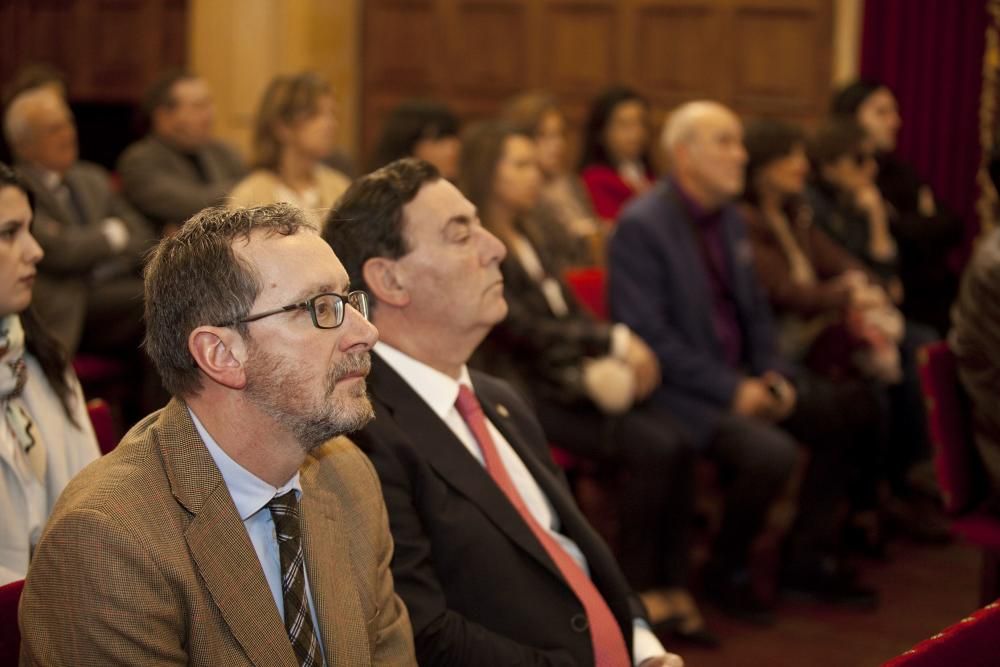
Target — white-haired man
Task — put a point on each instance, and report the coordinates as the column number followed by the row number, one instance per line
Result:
column 681, row 276
column 88, row 291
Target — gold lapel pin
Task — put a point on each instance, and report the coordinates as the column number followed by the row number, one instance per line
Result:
column 502, row 410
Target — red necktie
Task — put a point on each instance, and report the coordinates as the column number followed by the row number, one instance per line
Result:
column 605, row 634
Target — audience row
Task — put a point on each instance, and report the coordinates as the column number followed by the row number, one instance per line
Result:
column 761, row 317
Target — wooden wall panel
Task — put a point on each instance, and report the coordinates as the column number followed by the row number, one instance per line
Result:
column 108, row 50
column 577, row 54
column 762, row 57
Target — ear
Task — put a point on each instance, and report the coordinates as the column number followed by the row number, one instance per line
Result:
column 385, row 281
column 221, row 354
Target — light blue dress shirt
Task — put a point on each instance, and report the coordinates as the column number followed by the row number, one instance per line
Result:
column 251, row 495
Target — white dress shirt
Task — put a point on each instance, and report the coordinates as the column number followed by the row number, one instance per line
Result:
column 251, row 495
column 440, row 392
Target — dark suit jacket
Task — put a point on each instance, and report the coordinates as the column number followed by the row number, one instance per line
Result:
column 480, row 588
column 162, row 183
column 73, row 251
column 145, row 561
column 658, row 286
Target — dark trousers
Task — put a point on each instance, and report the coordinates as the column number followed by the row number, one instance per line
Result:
column 841, row 426
column 655, row 500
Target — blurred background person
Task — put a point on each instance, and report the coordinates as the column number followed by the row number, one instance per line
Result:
column 925, row 231
column 293, row 133
column 587, row 379
column 615, row 163
column 180, row 167
column 47, row 437
column 89, row 292
column 847, row 204
column 537, row 114
column 832, row 315
column 975, row 340
column 423, row 129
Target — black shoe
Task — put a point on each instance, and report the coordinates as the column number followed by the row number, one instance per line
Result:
column 830, row 580
column 733, row 594
column 919, row 519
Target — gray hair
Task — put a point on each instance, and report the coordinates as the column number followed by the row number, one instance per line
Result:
column 17, row 120
column 682, row 123
column 195, row 278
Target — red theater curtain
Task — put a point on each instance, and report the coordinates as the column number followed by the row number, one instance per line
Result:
column 930, row 53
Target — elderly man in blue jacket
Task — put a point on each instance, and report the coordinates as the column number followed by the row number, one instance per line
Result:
column 681, row 276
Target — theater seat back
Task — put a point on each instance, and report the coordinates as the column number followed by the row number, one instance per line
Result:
column 949, row 427
column 10, row 635
column 972, row 642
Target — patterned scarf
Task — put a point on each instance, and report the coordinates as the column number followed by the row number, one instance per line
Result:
column 29, row 453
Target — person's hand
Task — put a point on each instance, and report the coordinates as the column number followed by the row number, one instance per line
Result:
column 665, row 660
column 869, row 200
column 116, row 234
column 754, row 399
column 784, row 392
column 925, row 202
column 644, row 365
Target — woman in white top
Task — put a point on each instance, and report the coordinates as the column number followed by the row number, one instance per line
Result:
column 294, row 133
column 45, row 434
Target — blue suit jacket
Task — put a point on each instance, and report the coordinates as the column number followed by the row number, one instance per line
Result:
column 658, row 286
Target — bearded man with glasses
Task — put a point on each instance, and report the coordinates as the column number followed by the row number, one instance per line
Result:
column 198, row 541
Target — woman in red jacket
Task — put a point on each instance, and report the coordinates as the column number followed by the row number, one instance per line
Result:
column 615, row 164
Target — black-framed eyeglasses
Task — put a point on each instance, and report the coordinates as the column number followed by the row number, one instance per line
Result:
column 326, row 309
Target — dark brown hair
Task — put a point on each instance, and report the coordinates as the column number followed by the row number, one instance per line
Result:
column 194, row 278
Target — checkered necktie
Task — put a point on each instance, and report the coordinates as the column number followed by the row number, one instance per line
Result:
column 298, row 620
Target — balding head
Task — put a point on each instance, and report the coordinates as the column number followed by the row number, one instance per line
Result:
column 704, row 140
column 39, row 128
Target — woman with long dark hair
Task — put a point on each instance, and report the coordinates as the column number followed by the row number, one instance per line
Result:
column 615, row 163
column 587, row 379
column 46, row 436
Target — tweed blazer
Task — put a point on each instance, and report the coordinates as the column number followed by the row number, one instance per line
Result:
column 145, row 561
column 166, row 187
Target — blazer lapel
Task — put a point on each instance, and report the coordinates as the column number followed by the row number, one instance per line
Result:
column 453, row 462
column 219, row 543
column 45, row 201
column 328, row 564
column 686, row 251
column 85, row 198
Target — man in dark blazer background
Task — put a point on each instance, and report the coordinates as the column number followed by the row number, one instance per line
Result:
column 495, row 562
column 681, row 276
column 180, row 167
column 89, row 291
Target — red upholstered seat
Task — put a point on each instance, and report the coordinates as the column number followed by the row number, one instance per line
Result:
column 10, row 635
column 589, row 286
column 948, row 424
column 104, row 424
column 959, row 472
column 972, row 642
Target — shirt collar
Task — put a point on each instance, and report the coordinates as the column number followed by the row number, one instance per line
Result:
column 438, row 390
column 698, row 213
column 250, row 493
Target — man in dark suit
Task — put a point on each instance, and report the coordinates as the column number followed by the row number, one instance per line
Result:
column 197, row 541
column 88, row 293
column 493, row 559
column 681, row 276
column 180, row 168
